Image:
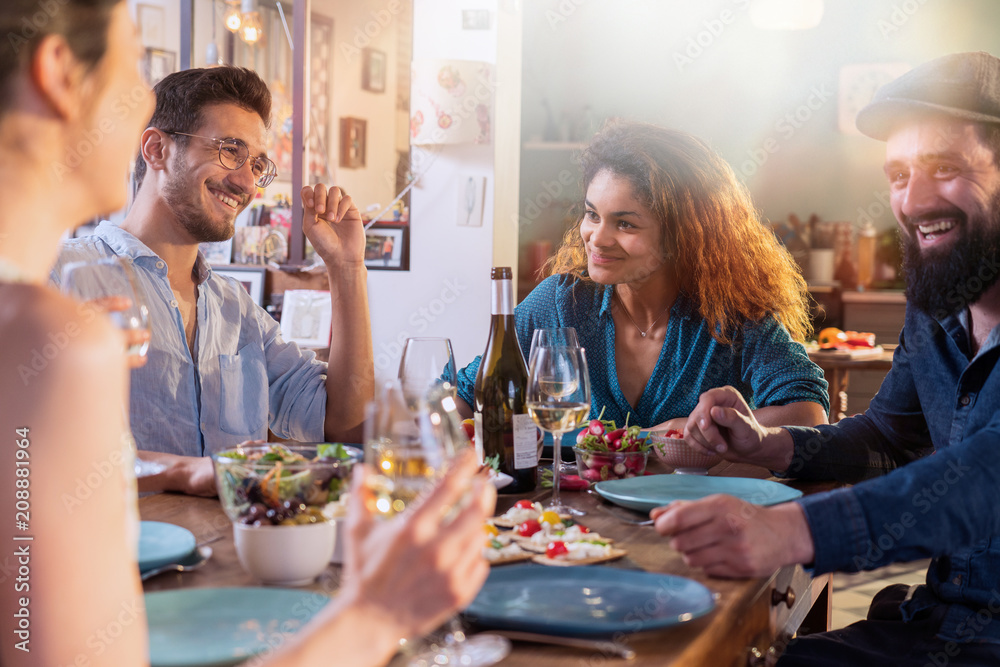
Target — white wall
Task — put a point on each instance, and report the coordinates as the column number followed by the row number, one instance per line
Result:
column 446, row 291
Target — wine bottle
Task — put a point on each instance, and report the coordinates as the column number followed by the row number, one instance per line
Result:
column 503, row 426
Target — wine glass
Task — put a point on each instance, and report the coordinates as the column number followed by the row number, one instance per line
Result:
column 548, row 337
column 558, row 397
column 409, row 450
column 427, row 363
column 110, row 284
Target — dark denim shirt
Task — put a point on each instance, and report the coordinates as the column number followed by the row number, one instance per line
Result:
column 925, row 459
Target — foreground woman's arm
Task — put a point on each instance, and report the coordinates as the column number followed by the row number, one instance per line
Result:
column 77, row 573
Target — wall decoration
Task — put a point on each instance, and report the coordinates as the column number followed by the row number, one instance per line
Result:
column 219, row 252
column 373, row 70
column 158, row 64
column 387, row 247
column 320, row 96
column 306, row 316
column 353, row 138
column 149, row 22
column 251, row 277
column 451, row 102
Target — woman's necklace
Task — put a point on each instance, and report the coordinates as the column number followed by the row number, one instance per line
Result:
column 641, row 332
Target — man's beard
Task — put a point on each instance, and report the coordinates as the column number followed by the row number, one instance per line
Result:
column 942, row 282
column 180, row 195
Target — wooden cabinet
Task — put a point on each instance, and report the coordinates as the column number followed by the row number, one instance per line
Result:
column 881, row 313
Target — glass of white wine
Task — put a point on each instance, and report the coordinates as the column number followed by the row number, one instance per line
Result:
column 109, row 284
column 410, row 450
column 404, row 464
column 558, row 399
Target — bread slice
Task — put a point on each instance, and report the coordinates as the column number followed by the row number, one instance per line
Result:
column 613, row 554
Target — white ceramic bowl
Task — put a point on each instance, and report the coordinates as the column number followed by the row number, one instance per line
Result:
column 340, row 528
column 676, row 453
column 285, row 555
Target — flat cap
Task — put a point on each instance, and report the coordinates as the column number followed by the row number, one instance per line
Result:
column 961, row 85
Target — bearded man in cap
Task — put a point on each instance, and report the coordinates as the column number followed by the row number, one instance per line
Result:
column 925, row 457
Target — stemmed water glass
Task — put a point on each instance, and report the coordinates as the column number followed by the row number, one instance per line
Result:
column 427, row 363
column 409, row 450
column 558, row 394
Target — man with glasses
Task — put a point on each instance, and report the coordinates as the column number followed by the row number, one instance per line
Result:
column 218, row 372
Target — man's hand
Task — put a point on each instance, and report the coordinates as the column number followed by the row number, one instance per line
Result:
column 676, row 424
column 723, row 424
column 728, row 537
column 193, row 475
column 333, row 224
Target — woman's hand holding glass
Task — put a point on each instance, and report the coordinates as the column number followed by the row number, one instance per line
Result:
column 109, row 285
column 412, row 557
column 414, row 451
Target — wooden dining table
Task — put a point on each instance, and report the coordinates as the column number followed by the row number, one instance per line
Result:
column 752, row 620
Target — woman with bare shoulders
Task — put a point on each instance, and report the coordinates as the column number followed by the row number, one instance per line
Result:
column 71, row 110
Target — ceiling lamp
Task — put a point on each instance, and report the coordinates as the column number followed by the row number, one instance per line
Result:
column 786, row 14
column 251, row 29
column 233, row 18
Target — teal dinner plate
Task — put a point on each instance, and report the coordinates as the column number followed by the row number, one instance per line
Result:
column 645, row 493
column 163, row 543
column 212, row 627
column 585, row 601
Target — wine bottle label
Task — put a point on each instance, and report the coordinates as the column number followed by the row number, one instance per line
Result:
column 480, row 454
column 525, row 442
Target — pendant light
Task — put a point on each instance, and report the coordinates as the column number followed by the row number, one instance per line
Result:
column 251, row 29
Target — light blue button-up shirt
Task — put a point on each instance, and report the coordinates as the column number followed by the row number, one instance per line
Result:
column 243, row 378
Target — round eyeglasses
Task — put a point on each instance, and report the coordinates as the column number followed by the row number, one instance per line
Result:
column 233, row 154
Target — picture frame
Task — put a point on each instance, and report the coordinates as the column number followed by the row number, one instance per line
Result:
column 217, row 252
column 387, row 247
column 158, row 64
column 353, row 142
column 373, row 70
column 318, row 142
column 251, row 277
column 149, row 22
column 306, row 317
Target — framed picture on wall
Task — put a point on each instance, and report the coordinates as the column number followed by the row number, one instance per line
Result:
column 373, row 70
column 318, row 141
column 353, row 138
column 387, row 247
column 251, row 277
column 158, row 64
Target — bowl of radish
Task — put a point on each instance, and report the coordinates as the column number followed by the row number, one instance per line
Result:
column 671, row 448
column 604, row 451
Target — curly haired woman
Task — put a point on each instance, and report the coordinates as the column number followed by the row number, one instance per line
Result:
column 674, row 287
